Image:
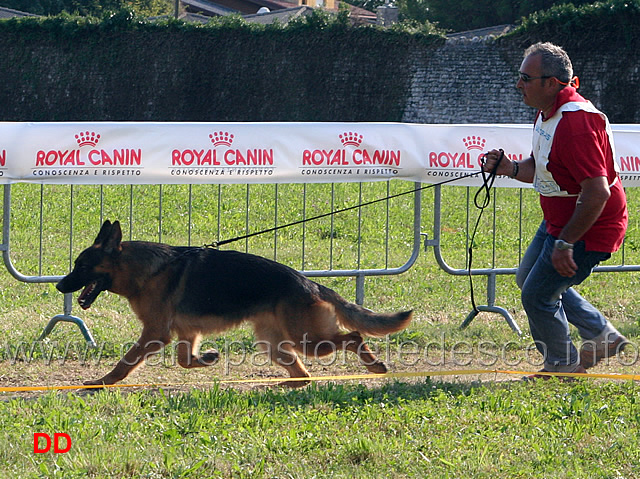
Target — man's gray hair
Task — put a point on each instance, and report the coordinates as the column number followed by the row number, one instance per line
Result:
column 554, row 60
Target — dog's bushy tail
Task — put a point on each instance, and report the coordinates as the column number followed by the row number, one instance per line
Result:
column 365, row 321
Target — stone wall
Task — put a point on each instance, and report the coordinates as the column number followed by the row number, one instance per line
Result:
column 365, row 75
column 473, row 81
column 464, row 82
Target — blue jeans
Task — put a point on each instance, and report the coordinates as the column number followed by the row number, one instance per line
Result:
column 551, row 303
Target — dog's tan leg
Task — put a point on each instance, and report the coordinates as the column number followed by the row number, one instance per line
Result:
column 353, row 342
column 316, row 334
column 147, row 345
column 282, row 353
column 291, row 362
column 187, row 352
column 349, row 342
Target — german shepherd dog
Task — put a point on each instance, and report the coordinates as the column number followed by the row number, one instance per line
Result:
column 192, row 291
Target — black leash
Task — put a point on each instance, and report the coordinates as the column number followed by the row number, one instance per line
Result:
column 481, row 204
column 217, row 244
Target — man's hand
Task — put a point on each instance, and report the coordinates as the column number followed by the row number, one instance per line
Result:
column 563, row 262
column 526, row 168
column 491, row 160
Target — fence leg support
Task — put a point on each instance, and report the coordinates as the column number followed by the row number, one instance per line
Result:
column 67, row 317
column 360, row 289
column 491, row 308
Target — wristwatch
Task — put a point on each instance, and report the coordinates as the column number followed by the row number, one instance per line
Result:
column 563, row 245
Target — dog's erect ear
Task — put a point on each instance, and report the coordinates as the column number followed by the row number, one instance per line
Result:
column 104, row 233
column 112, row 245
column 109, row 237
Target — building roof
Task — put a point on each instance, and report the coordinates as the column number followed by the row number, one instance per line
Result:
column 11, row 13
column 282, row 16
column 359, row 14
column 191, row 17
column 205, row 8
column 199, row 18
column 249, row 9
column 225, row 7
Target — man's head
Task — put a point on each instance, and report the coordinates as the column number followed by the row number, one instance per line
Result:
column 545, row 70
column 554, row 61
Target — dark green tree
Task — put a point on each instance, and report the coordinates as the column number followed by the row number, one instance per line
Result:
column 460, row 15
column 95, row 8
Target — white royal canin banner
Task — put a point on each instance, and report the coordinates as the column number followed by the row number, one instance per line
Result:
column 185, row 153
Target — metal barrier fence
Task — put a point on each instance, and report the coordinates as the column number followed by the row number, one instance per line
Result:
column 63, row 220
column 58, row 221
column 514, row 217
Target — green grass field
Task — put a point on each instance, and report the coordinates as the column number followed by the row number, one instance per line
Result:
column 198, row 424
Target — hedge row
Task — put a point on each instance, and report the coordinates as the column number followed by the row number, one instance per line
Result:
column 319, row 68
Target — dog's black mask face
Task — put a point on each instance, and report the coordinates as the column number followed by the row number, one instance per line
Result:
column 90, row 270
column 84, row 275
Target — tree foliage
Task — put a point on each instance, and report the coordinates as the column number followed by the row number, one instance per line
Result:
column 449, row 15
column 617, row 21
column 460, row 15
column 96, row 8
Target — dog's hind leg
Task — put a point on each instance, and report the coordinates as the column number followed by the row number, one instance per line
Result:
column 356, row 344
column 148, row 344
column 187, row 352
column 353, row 342
column 289, row 360
column 282, row 353
column 345, row 341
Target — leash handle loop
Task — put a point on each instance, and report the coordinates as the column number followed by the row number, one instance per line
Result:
column 487, row 182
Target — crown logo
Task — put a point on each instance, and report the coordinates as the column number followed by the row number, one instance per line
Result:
column 349, row 138
column 221, row 138
column 85, row 138
column 474, row 143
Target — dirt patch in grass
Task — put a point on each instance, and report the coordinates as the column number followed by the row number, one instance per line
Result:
column 234, row 372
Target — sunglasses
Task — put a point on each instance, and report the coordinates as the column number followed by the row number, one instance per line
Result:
column 526, row 78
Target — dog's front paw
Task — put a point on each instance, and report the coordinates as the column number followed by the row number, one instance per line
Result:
column 294, row 384
column 378, row 367
column 95, row 382
column 209, row 357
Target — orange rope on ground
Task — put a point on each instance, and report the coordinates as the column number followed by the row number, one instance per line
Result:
column 459, row 372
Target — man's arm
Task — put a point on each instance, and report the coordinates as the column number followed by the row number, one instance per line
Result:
column 595, row 194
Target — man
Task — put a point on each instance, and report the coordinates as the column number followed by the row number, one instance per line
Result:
column 573, row 168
